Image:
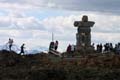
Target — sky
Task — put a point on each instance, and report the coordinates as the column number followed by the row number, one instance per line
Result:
column 33, row 21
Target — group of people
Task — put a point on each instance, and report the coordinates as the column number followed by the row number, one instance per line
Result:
column 70, row 49
column 53, row 45
column 117, row 48
column 108, row 47
column 100, row 48
column 10, row 45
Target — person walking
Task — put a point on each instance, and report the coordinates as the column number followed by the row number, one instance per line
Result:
column 22, row 49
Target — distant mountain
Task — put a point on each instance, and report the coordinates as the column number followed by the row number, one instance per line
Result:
column 1, row 47
column 32, row 51
column 37, row 49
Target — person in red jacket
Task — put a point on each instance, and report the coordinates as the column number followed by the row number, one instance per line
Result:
column 69, row 50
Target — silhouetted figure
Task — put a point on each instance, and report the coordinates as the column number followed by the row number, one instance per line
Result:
column 93, row 45
column 117, row 48
column 22, row 49
column 56, row 45
column 100, row 48
column 51, row 46
column 10, row 43
column 111, row 47
column 106, row 47
column 52, row 49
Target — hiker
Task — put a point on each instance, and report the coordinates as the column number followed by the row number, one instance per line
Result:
column 53, row 50
column 56, row 45
column 106, row 48
column 117, row 48
column 100, row 48
column 22, row 49
column 111, row 47
column 10, row 43
column 52, row 46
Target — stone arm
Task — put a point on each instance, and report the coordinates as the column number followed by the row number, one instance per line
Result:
column 83, row 24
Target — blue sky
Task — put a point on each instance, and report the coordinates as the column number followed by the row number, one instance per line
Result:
column 33, row 21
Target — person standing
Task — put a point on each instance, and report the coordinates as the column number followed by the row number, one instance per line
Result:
column 101, row 47
column 98, row 48
column 69, row 50
column 56, row 45
column 22, row 49
column 10, row 43
column 51, row 46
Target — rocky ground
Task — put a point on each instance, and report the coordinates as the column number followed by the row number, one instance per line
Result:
column 48, row 67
